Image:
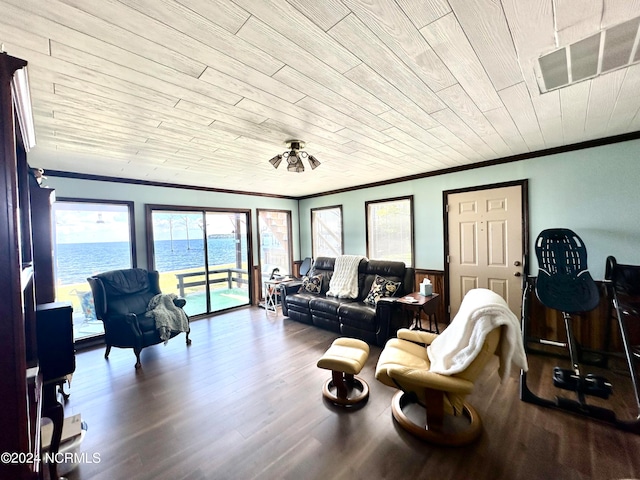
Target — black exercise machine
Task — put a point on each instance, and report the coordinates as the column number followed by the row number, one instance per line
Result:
column 623, row 284
column 565, row 284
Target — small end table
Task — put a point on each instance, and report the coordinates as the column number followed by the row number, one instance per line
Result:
column 421, row 303
column 271, row 295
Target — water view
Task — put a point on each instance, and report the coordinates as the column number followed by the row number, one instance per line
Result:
column 77, row 261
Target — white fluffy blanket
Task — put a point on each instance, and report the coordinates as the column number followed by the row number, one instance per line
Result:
column 458, row 345
column 168, row 317
column 344, row 283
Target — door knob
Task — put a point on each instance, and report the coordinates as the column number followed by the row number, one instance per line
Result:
column 517, row 274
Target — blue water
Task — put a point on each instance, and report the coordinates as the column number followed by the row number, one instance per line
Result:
column 77, row 261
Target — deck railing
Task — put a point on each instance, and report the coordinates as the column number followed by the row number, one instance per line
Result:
column 237, row 275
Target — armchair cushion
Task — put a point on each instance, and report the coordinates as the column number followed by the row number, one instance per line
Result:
column 125, row 282
column 400, row 364
column 415, row 370
column 381, row 287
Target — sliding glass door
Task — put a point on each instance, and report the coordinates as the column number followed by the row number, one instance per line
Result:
column 227, row 259
column 202, row 255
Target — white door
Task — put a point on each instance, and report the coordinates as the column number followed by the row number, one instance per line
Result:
column 485, row 229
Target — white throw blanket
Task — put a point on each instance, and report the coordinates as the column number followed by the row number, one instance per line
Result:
column 168, row 317
column 344, row 283
column 458, row 345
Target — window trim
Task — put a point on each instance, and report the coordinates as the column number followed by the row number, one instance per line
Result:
column 330, row 207
column 92, row 340
column 411, row 225
column 132, row 219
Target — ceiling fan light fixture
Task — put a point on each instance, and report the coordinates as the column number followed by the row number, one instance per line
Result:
column 294, row 163
column 294, row 157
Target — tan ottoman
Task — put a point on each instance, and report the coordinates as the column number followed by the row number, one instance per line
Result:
column 345, row 358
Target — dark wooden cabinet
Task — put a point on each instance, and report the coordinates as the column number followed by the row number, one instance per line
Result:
column 21, row 387
column 55, row 340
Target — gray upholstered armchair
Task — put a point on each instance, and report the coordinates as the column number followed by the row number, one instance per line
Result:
column 121, row 299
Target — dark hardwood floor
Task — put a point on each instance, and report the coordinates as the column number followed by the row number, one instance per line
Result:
column 244, row 401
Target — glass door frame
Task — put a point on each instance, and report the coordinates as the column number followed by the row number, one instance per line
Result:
column 150, row 208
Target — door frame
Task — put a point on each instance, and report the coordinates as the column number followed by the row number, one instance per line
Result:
column 524, row 191
column 151, row 207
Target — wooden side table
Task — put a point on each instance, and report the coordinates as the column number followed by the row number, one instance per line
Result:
column 416, row 303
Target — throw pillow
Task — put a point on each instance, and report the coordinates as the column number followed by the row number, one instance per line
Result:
column 380, row 288
column 89, row 309
column 311, row 284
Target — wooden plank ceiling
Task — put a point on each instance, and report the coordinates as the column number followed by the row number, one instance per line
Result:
column 205, row 92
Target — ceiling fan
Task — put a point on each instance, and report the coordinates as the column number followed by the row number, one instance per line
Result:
column 294, row 157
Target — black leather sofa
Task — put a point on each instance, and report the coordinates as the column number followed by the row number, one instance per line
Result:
column 351, row 317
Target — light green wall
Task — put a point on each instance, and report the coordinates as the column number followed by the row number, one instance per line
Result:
column 141, row 195
column 595, row 192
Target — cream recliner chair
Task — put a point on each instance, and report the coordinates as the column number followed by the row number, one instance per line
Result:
column 405, row 364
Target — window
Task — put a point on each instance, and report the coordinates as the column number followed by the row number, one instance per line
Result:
column 326, row 232
column 274, row 237
column 90, row 237
column 202, row 255
column 390, row 229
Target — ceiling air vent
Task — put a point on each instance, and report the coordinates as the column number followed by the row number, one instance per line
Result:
column 607, row 50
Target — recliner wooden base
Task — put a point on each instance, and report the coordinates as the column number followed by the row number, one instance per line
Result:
column 434, row 430
column 345, row 390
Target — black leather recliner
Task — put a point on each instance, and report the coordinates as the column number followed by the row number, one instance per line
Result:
column 121, row 298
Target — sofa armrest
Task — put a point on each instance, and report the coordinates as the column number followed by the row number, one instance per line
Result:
column 288, row 288
column 385, row 310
